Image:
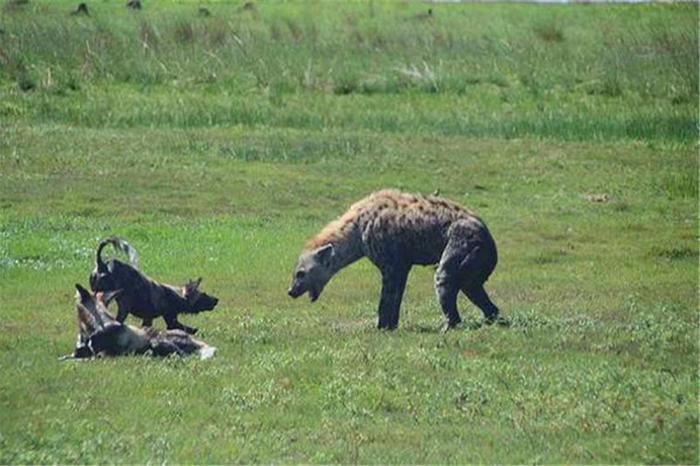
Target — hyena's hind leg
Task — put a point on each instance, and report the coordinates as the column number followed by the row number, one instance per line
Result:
column 475, row 270
column 447, row 287
column 466, row 263
column 477, row 295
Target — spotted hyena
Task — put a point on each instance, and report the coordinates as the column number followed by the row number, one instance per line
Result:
column 397, row 230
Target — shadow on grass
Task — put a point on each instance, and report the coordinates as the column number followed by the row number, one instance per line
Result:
column 467, row 325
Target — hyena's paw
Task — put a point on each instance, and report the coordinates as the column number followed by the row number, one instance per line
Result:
column 503, row 321
column 497, row 319
column 449, row 325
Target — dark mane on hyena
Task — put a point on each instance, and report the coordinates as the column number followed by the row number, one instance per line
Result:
column 338, row 230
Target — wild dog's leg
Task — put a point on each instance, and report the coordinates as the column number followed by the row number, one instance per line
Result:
column 172, row 323
column 123, row 311
column 393, row 286
column 165, row 348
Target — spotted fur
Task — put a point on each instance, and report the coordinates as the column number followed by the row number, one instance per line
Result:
column 395, row 231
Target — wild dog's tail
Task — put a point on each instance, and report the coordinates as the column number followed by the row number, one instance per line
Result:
column 120, row 245
column 207, row 352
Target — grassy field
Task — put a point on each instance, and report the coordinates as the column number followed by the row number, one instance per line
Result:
column 217, row 144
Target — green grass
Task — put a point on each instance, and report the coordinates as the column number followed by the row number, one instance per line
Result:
column 216, row 145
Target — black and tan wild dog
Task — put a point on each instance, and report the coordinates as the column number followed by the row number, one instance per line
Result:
column 101, row 335
column 144, row 297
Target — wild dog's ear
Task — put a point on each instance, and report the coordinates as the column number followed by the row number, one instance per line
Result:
column 83, row 294
column 190, row 291
column 86, row 321
column 110, row 295
column 192, row 285
column 325, row 253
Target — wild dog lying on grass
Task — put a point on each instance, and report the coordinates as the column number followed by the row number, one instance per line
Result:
column 102, row 335
column 144, row 297
column 396, row 230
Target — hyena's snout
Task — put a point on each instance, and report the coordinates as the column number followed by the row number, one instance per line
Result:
column 295, row 290
column 298, row 288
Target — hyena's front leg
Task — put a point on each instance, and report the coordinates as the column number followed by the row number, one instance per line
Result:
column 393, row 285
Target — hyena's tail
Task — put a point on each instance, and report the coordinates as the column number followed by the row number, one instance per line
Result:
column 121, row 246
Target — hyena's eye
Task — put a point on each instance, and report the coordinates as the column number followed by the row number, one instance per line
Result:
column 301, row 274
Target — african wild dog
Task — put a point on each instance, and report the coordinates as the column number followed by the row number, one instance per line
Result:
column 397, row 230
column 100, row 334
column 144, row 297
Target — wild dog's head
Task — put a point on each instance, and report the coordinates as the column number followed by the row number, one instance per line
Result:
column 312, row 272
column 198, row 301
column 101, row 279
column 93, row 319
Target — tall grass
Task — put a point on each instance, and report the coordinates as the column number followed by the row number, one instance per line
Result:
column 531, row 70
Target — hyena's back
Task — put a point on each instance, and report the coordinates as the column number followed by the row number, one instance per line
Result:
column 413, row 226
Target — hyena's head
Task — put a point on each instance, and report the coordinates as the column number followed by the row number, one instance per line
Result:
column 197, row 300
column 312, row 272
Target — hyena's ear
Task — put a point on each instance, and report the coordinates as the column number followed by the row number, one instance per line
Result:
column 325, row 253
column 83, row 294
